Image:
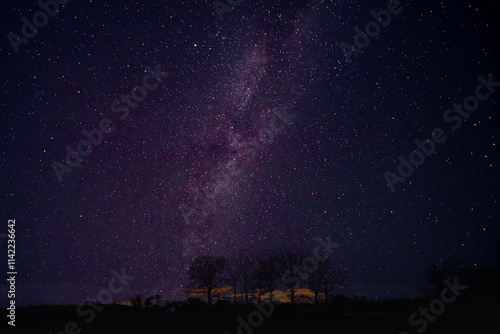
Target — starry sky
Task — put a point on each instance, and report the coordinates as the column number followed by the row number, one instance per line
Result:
column 223, row 85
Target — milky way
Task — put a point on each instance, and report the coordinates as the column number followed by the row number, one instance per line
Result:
column 263, row 124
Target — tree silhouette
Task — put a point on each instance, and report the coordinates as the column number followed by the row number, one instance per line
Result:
column 314, row 284
column 233, row 277
column 157, row 299
column 292, row 262
column 148, row 302
column 271, row 266
column 136, row 300
column 207, row 273
column 329, row 279
column 446, row 270
column 258, row 277
column 242, row 270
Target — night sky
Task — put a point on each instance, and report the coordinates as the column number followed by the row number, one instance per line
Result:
column 218, row 87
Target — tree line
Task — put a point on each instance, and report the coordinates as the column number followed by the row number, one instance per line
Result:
column 249, row 276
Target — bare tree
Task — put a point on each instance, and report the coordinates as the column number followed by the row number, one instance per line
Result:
column 233, row 277
column 157, row 299
column 136, row 300
column 314, row 284
column 330, row 279
column 258, row 278
column 292, row 261
column 148, row 302
column 447, row 269
column 242, row 270
column 206, row 272
column 271, row 266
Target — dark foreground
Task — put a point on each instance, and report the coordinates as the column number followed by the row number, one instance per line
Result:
column 391, row 317
column 475, row 311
